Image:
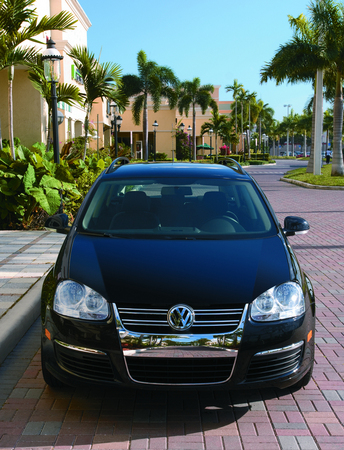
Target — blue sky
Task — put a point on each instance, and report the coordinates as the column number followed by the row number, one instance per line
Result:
column 217, row 41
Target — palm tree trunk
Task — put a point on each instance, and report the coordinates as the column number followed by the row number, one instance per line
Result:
column 194, row 130
column 10, row 109
column 310, row 165
column 337, row 157
column 145, row 130
column 88, row 111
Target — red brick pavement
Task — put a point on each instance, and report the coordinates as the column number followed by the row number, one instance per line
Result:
column 37, row 417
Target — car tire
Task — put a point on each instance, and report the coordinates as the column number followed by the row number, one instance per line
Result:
column 47, row 376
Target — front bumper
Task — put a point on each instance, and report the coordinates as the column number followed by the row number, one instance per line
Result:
column 253, row 355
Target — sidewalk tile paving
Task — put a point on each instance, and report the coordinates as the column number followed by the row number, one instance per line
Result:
column 34, row 416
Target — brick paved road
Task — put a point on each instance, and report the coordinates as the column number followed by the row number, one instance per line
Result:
column 35, row 416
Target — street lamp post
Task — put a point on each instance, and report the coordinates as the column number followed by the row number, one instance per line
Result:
column 287, row 106
column 189, row 130
column 116, row 124
column 51, row 58
column 155, row 126
column 211, row 135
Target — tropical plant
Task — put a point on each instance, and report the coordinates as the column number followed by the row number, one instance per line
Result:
column 66, row 93
column 18, row 23
column 192, row 93
column 316, row 44
column 328, row 18
column 236, row 88
column 219, row 124
column 155, row 81
column 100, row 80
column 31, row 181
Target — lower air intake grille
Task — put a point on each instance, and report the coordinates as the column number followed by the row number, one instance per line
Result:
column 91, row 366
column 268, row 366
column 180, row 370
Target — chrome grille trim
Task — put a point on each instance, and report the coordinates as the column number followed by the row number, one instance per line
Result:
column 206, row 318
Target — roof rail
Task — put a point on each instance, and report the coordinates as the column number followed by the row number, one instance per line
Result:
column 237, row 166
column 114, row 165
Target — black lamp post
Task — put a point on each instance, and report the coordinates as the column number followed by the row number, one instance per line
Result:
column 116, row 124
column 155, row 126
column 211, row 135
column 189, row 130
column 51, row 59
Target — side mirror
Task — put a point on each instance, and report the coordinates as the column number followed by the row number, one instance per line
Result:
column 295, row 225
column 58, row 222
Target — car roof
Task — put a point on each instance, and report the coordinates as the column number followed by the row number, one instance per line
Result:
column 175, row 170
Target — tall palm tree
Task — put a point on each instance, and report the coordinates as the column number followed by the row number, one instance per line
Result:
column 192, row 93
column 154, row 80
column 236, row 88
column 99, row 79
column 19, row 23
column 304, row 126
column 316, row 44
column 219, row 125
column 328, row 17
column 66, row 93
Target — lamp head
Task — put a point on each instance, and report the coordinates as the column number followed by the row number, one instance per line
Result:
column 51, row 58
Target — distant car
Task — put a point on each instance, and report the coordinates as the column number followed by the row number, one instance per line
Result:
column 177, row 274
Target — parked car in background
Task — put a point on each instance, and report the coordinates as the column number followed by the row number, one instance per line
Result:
column 177, row 274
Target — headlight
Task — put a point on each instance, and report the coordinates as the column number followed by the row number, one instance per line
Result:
column 280, row 302
column 77, row 300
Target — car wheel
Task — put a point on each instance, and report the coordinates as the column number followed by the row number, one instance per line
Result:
column 47, row 376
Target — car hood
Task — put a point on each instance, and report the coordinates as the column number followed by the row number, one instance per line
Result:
column 165, row 272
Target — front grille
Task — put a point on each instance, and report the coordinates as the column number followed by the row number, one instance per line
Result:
column 93, row 366
column 154, row 321
column 180, row 370
column 268, row 366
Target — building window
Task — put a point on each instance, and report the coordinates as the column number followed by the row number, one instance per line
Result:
column 76, row 75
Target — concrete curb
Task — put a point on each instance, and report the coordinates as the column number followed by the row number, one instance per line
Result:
column 16, row 322
column 312, row 186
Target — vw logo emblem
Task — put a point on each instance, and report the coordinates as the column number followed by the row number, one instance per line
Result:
column 180, row 317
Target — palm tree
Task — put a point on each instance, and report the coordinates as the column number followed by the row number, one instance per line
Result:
column 99, row 79
column 304, row 126
column 264, row 113
column 328, row 17
column 219, row 124
column 236, row 88
column 317, row 44
column 192, row 93
column 156, row 81
column 19, row 23
column 66, row 93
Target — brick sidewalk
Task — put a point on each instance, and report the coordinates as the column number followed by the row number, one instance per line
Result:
column 35, row 416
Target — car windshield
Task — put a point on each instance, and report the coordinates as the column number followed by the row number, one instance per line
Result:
column 178, row 208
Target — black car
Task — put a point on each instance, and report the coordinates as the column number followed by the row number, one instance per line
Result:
column 177, row 274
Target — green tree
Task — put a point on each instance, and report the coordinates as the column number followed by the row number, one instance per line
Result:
column 100, row 80
column 219, row 124
column 316, row 44
column 236, row 88
column 19, row 23
column 328, row 18
column 192, row 93
column 66, row 93
column 154, row 80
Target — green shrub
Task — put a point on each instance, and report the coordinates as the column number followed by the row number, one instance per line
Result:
column 260, row 156
column 29, row 183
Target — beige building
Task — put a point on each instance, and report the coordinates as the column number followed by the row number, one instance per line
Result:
column 168, row 120
column 30, row 110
